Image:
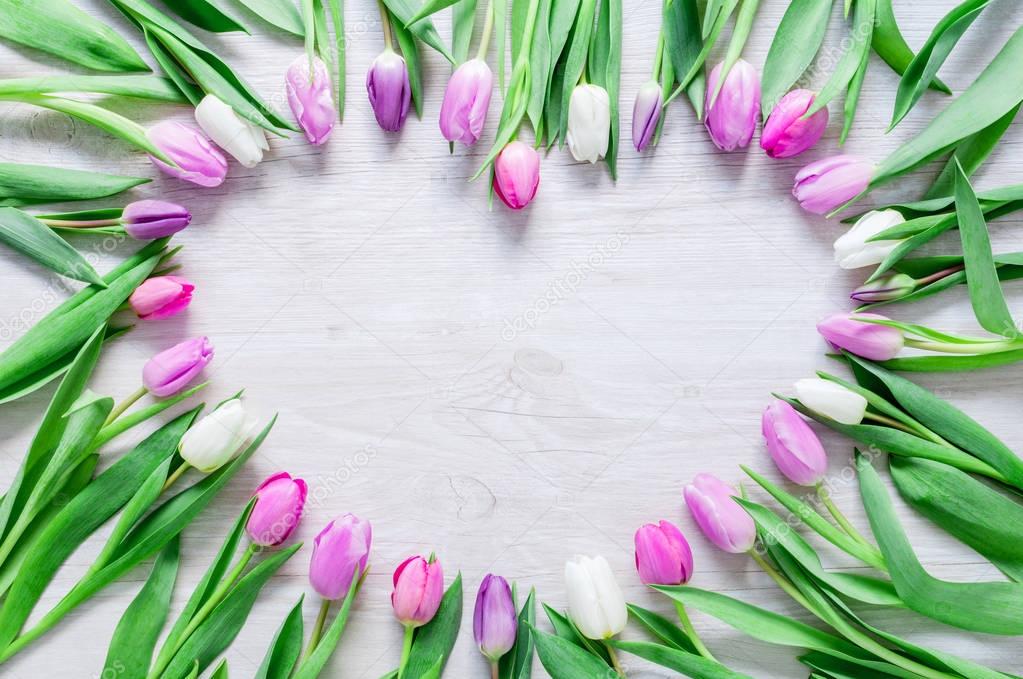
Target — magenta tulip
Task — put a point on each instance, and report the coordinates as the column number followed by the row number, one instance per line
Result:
column 198, row 161
column 663, row 556
column 494, row 622
column 340, row 548
column 793, row 445
column 278, row 509
column 418, row 589
column 828, row 184
column 786, row 132
column 646, row 113
column 173, row 369
column 150, row 219
column 161, row 297
column 466, row 101
column 719, row 516
column 516, row 174
column 389, row 91
column 869, row 340
column 307, row 83
column 732, row 117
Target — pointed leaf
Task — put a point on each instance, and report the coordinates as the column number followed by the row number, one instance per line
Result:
column 32, row 238
column 23, row 184
column 796, row 43
column 689, row 664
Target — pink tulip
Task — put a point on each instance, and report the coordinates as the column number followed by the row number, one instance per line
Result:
column 161, row 297
column 786, row 133
column 149, row 219
column 278, row 509
column 309, row 95
column 516, row 174
column 340, row 548
column 828, row 184
column 389, row 91
column 494, row 623
column 466, row 101
column 793, row 445
column 418, row 589
column 171, row 370
column 198, row 161
column 646, row 113
column 719, row 516
column 732, row 117
column 663, row 556
column 869, row 340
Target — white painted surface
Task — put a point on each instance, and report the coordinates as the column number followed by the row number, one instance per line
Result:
column 363, row 291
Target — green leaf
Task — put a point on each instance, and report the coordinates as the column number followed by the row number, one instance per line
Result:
column 136, row 86
column 463, row 18
column 565, row 660
column 575, row 61
column 518, row 663
column 32, row 238
column 22, row 184
column 221, row 671
column 337, row 18
column 60, row 28
column 137, row 417
column 669, row 633
column 206, row 15
column 851, row 59
column 404, row 11
column 852, row 96
column 971, row 153
column 566, row 629
column 689, row 664
column 953, row 363
column 889, row 44
column 434, row 640
column 683, row 44
column 796, row 42
column 740, row 34
column 605, row 69
column 410, row 50
column 429, row 8
column 836, row 668
column 283, row 15
column 283, row 652
column 561, row 23
column 710, row 39
column 540, row 67
column 317, row 660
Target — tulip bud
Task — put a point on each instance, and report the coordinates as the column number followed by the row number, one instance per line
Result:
column 341, row 547
column 236, row 135
column 494, row 623
column 854, row 248
column 389, row 90
column 885, row 289
column 466, row 101
column 307, row 83
column 516, row 174
column 149, row 219
column 418, row 589
column 589, row 122
column 663, row 556
column 595, row 601
column 831, row 400
column 786, row 133
column 719, row 516
column 217, row 438
column 793, row 445
column 161, row 297
column 732, row 117
column 171, row 370
column 830, row 183
column 869, row 340
column 278, row 509
column 198, row 161
column 646, row 113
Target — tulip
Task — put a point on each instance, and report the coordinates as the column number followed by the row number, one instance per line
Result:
column 786, row 132
column 150, row 219
column 732, row 116
column 389, row 91
column 494, row 623
column 516, row 174
column 663, row 556
column 869, row 340
column 466, row 101
column 196, row 159
column 793, row 445
column 589, row 122
column 279, row 503
column 161, row 297
column 217, row 438
column 854, row 248
column 646, row 113
column 595, row 601
column 722, row 520
column 831, row 400
column 171, row 370
column 830, row 183
column 307, row 83
column 885, row 289
column 418, row 589
column 236, row 135
column 340, row 548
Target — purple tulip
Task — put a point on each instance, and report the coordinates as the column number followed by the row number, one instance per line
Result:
column 161, row 297
column 309, row 95
column 278, row 509
column 389, row 90
column 792, row 444
column 149, row 219
column 198, row 161
column 885, row 289
column 494, row 623
column 466, row 101
column 830, row 183
column 517, row 174
column 418, row 589
column 646, row 113
column 786, row 133
column 719, row 516
column 340, row 548
column 663, row 556
column 869, row 340
column 171, row 370
column 732, row 117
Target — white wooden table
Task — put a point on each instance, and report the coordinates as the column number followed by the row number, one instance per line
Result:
column 364, row 291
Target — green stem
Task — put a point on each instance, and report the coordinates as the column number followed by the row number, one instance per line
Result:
column 494, row 670
column 314, row 638
column 175, row 475
column 658, row 57
column 125, row 404
column 406, row 649
column 894, row 424
column 309, row 20
column 690, row 631
column 79, row 223
column 614, row 658
column 968, row 349
column 840, row 518
column 488, row 28
column 385, row 23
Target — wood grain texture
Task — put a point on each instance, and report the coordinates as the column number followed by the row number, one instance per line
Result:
column 505, row 389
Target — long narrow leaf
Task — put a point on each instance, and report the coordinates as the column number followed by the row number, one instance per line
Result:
column 796, row 43
column 28, row 235
column 317, row 660
column 849, row 63
column 689, row 664
column 22, row 184
column 283, row 652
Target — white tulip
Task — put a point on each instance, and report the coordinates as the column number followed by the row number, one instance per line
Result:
column 589, row 122
column 215, row 440
column 236, row 135
column 595, row 602
column 831, row 400
column 852, row 249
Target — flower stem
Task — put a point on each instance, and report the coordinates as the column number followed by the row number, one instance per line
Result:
column 125, row 404
column 494, row 671
column 839, row 517
column 967, row 349
column 687, row 625
column 308, row 18
column 938, row 275
column 385, row 24
column 175, row 475
column 614, row 658
column 79, row 223
column 658, row 57
column 314, row 638
column 488, row 28
column 406, row 649
column 894, row 424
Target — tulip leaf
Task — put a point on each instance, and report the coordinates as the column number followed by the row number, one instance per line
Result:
column 539, row 66
column 740, row 34
column 22, row 184
column 888, row 43
column 404, row 12
column 131, row 648
column 317, row 660
column 709, row 40
column 429, row 8
column 283, row 15
column 32, row 238
column 852, row 96
column 564, row 660
column 285, row 648
column 463, row 18
column 836, row 668
column 689, row 664
column 683, row 43
column 605, row 56
column 135, row 86
column 206, row 15
column 953, row 363
column 566, row 629
column 575, row 61
column 560, row 24
column 852, row 59
column 433, row 641
column 137, row 417
column 796, row 43
column 410, row 51
column 971, row 152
